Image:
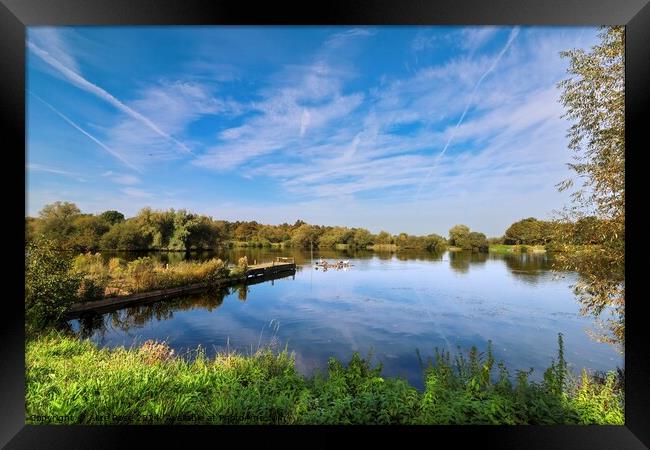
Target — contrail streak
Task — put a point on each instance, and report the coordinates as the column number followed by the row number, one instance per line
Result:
column 90, row 136
column 511, row 38
column 86, row 85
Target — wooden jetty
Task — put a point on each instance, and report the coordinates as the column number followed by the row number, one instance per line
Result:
column 280, row 268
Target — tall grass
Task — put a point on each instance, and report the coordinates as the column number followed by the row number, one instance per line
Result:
column 117, row 277
column 73, row 381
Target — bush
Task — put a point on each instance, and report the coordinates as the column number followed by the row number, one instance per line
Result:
column 50, row 286
column 141, row 274
column 94, row 275
column 476, row 242
column 116, row 267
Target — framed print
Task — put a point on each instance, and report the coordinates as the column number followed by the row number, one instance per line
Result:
column 363, row 217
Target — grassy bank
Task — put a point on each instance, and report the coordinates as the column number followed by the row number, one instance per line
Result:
column 72, row 381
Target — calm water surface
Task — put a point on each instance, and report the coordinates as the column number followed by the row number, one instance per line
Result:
column 389, row 305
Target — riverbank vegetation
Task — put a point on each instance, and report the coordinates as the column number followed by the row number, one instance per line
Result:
column 72, row 381
column 461, row 237
column 55, row 279
column 119, row 277
column 171, row 230
column 180, row 230
column 506, row 249
column 594, row 99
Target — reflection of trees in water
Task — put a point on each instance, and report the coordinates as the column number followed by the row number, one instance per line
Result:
column 139, row 315
column 418, row 255
column 460, row 261
column 242, row 292
column 90, row 324
column 527, row 267
column 261, row 255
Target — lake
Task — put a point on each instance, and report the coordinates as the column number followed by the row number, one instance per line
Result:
column 398, row 307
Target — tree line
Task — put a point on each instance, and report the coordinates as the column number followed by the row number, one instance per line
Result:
column 64, row 224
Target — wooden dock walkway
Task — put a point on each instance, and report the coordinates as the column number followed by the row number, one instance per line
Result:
column 269, row 268
column 258, row 273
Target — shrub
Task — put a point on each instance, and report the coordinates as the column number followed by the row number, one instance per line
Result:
column 50, row 286
column 94, row 275
column 141, row 274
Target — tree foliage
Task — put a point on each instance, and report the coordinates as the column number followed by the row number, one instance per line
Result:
column 50, row 285
column 182, row 230
column 457, row 234
column 112, row 217
column 594, row 97
column 529, row 231
column 461, row 236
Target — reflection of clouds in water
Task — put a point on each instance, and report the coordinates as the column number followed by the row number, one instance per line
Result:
column 391, row 306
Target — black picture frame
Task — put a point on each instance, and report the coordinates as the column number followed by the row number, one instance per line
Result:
column 16, row 15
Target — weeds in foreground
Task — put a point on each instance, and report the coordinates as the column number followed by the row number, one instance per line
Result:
column 72, row 381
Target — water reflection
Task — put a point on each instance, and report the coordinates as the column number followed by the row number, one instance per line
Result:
column 461, row 261
column 390, row 303
column 137, row 316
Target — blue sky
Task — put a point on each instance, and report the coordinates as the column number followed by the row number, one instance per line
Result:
column 401, row 128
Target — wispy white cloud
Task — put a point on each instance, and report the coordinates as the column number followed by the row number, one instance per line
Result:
column 340, row 38
column 88, row 135
column 137, row 193
column 511, row 38
column 309, row 105
column 52, row 41
column 86, row 85
column 482, row 122
column 48, row 169
column 506, row 126
column 174, row 105
column 121, row 178
column 473, row 38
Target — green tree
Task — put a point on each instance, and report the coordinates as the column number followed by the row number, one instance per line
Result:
column 594, row 99
column 126, row 235
column 476, row 242
column 112, row 217
column 56, row 222
column 384, row 237
column 362, row 238
column 181, row 239
column 203, row 234
column 458, row 234
column 331, row 237
column 304, row 235
column 245, row 231
column 50, row 286
column 87, row 232
column 435, row 243
column 526, row 231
